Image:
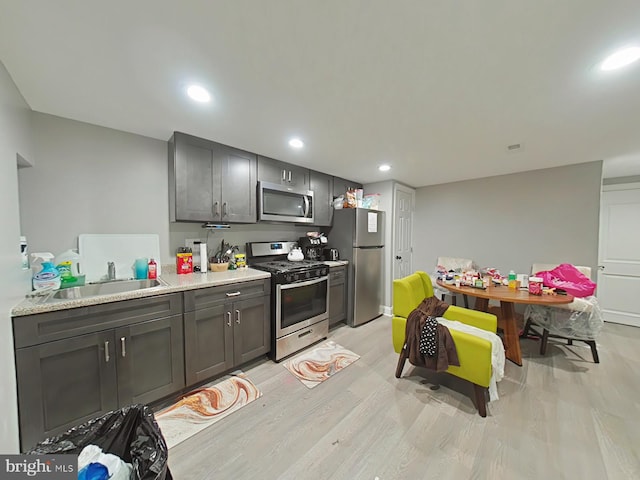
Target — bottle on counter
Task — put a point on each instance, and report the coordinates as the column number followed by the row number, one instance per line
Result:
column 513, row 283
column 47, row 278
column 152, row 270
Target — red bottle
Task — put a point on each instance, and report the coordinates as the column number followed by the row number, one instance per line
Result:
column 153, row 269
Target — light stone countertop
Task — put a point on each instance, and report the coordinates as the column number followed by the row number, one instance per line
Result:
column 171, row 283
column 336, row 263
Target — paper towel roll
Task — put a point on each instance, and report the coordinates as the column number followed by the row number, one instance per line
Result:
column 204, row 260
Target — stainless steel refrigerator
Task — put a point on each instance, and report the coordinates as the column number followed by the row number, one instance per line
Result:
column 358, row 234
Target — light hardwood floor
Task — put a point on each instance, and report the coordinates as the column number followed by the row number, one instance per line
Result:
column 558, row 417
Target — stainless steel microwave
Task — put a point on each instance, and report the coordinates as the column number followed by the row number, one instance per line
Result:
column 281, row 203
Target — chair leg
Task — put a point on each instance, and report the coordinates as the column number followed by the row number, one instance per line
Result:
column 454, row 301
column 481, row 399
column 594, row 351
column 543, row 343
column 569, row 341
column 401, row 359
column 466, row 300
column 525, row 330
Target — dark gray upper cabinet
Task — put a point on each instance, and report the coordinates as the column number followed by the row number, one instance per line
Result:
column 210, row 182
column 340, row 186
column 322, row 186
column 275, row 171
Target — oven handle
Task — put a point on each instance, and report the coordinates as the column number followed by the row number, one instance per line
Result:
column 286, row 286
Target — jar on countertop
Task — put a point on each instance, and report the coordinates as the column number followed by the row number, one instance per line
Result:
column 184, row 260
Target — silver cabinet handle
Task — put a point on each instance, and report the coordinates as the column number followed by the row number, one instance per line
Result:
column 224, row 209
column 123, row 344
column 106, row 352
column 215, row 209
column 238, row 317
column 233, row 294
column 228, row 319
column 289, row 175
column 284, row 175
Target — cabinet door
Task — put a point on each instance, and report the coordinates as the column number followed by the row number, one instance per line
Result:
column 238, row 184
column 275, row 171
column 341, row 185
column 208, row 335
column 194, row 179
column 150, row 358
column 64, row 383
column 322, row 186
column 337, row 304
column 251, row 329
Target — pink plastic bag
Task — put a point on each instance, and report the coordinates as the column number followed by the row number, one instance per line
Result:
column 568, row 278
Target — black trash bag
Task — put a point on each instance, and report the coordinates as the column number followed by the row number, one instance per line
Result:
column 131, row 433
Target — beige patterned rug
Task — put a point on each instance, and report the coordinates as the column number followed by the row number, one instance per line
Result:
column 315, row 366
column 204, row 407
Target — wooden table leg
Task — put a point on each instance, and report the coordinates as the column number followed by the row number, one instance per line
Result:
column 510, row 329
column 482, row 304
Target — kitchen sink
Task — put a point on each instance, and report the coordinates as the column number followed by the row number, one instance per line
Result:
column 105, row 288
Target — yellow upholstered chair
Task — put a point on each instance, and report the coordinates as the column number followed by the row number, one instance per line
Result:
column 474, row 352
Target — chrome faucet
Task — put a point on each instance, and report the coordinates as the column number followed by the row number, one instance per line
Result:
column 111, row 271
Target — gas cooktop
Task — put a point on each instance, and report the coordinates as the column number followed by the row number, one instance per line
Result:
column 285, row 266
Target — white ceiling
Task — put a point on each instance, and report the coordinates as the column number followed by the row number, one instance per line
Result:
column 438, row 89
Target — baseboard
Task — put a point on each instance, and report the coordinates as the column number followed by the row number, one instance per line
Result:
column 387, row 310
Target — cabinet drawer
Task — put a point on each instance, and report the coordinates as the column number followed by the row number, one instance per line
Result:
column 213, row 296
column 337, row 275
column 46, row 327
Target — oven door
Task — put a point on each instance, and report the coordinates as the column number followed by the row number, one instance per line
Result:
column 301, row 304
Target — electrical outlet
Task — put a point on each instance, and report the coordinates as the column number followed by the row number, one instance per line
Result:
column 190, row 242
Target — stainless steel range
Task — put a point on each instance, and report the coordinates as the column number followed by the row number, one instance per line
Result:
column 300, row 297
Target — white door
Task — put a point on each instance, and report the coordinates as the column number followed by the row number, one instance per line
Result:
column 402, row 230
column 619, row 254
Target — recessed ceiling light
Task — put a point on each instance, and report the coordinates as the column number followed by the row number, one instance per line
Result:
column 198, row 93
column 296, row 143
column 621, row 58
column 384, row 168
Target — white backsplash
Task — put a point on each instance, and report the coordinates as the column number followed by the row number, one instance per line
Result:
column 97, row 250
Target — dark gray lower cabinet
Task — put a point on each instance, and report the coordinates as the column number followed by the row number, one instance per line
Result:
column 209, row 343
column 150, row 360
column 77, row 364
column 337, row 295
column 64, row 383
column 224, row 327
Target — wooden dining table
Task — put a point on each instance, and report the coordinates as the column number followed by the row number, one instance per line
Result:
column 507, row 318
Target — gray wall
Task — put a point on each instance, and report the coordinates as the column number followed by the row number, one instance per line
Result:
column 91, row 179
column 108, row 181
column 15, row 139
column 512, row 221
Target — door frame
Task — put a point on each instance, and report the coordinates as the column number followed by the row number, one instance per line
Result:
column 410, row 191
column 609, row 188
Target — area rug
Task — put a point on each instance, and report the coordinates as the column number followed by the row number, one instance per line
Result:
column 203, row 407
column 315, row 366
